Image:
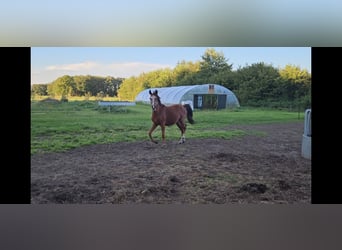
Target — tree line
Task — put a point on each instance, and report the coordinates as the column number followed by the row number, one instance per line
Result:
column 88, row 85
column 256, row 85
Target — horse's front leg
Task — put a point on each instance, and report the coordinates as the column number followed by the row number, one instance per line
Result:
column 163, row 132
column 150, row 132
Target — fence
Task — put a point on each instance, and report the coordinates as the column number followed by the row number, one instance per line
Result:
column 117, row 104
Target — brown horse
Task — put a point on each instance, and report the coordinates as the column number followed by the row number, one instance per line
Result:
column 168, row 115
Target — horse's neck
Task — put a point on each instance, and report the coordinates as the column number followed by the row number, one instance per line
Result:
column 160, row 108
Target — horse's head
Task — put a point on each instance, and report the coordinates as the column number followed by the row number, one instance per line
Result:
column 154, row 99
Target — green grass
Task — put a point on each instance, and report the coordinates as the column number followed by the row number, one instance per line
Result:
column 61, row 126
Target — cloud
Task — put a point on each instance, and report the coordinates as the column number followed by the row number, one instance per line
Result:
column 124, row 69
column 73, row 66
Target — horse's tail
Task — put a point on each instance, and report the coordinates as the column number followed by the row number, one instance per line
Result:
column 189, row 113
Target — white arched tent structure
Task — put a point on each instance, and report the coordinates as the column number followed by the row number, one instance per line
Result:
column 199, row 96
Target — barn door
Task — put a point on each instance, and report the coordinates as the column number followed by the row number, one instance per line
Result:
column 198, row 101
column 222, row 101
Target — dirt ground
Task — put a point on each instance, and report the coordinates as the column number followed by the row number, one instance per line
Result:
column 255, row 168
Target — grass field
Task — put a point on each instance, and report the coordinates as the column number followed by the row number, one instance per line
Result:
column 61, row 126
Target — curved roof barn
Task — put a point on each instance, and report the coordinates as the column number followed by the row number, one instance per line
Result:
column 200, row 96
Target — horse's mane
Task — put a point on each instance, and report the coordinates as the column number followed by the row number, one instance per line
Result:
column 158, row 98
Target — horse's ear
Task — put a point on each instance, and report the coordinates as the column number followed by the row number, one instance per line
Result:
column 156, row 92
column 150, row 92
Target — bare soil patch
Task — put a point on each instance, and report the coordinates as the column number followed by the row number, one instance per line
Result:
column 265, row 166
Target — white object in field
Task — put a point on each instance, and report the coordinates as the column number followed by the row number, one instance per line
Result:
column 306, row 141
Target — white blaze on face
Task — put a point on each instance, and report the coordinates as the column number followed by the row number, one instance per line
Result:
column 154, row 102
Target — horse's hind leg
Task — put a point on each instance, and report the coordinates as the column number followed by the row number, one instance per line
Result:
column 181, row 125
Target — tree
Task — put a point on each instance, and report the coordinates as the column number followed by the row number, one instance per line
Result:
column 295, row 74
column 257, row 84
column 112, row 85
column 186, row 73
column 129, row 88
column 132, row 86
column 63, row 86
column 80, row 85
column 212, row 64
column 39, row 89
column 298, row 84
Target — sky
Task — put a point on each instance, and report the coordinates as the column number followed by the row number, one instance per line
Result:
column 49, row 63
